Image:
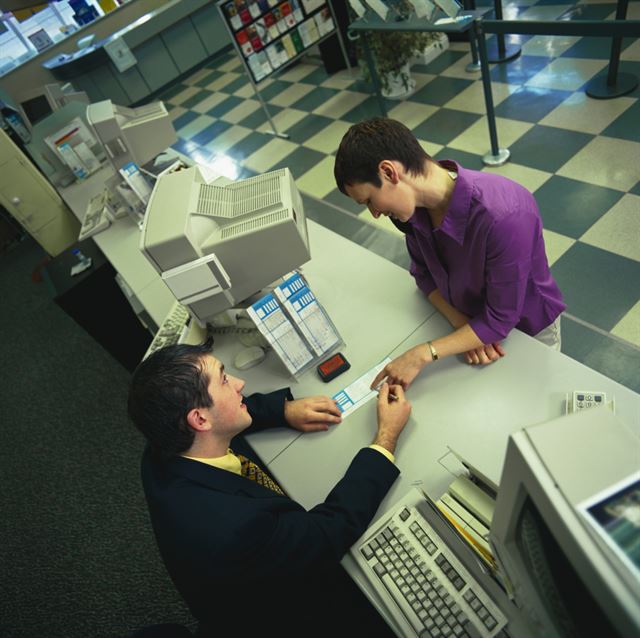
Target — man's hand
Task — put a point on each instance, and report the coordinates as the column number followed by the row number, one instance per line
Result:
column 312, row 414
column 393, row 414
column 405, row 368
column 485, row 354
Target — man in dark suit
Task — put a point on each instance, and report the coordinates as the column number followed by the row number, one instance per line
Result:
column 242, row 554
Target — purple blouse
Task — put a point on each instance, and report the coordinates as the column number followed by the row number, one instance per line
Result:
column 487, row 258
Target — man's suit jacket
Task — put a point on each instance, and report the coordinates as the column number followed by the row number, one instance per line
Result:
column 233, row 546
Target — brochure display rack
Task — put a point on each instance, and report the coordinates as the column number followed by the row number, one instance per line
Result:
column 295, row 324
column 271, row 34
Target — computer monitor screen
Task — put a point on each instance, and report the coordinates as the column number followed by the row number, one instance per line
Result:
column 36, row 108
column 216, row 244
column 566, row 576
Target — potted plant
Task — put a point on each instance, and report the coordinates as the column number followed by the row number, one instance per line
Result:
column 394, row 51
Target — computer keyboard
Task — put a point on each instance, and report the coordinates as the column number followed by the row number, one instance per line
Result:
column 425, row 588
column 96, row 218
column 171, row 329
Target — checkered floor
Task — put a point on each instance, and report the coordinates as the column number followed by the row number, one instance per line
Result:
column 579, row 156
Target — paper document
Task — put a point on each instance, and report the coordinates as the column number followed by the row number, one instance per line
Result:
column 276, row 327
column 309, row 316
column 356, row 394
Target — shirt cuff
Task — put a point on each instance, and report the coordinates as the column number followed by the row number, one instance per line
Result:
column 384, row 452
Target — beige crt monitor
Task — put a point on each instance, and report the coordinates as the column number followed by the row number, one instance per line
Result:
column 217, row 244
column 573, row 560
column 131, row 134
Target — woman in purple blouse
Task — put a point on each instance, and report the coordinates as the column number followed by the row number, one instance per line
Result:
column 475, row 242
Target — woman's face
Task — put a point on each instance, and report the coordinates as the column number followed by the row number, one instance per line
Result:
column 390, row 200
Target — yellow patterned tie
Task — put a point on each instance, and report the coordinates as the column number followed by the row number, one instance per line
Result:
column 255, row 473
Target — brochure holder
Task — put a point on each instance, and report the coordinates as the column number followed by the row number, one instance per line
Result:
column 295, row 325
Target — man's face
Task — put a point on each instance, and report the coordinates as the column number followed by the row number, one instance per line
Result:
column 390, row 200
column 228, row 414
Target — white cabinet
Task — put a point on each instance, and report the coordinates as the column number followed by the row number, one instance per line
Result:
column 33, row 202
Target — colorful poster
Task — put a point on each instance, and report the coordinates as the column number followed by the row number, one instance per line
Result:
column 232, row 13
column 297, row 41
column 324, row 21
column 270, row 22
column 309, row 32
column 259, row 65
column 297, row 11
column 243, row 40
column 312, row 5
column 287, row 13
column 263, row 31
column 254, row 38
column 254, row 8
column 289, row 47
column 243, row 12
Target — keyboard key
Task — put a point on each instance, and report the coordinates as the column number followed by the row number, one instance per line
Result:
column 404, row 514
column 379, row 569
column 482, row 612
column 367, row 552
column 451, row 619
column 458, row 583
column 490, row 622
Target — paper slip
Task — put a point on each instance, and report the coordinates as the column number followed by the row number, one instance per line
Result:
column 356, row 394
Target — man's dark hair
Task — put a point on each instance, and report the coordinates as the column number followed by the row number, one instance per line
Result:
column 366, row 144
column 164, row 388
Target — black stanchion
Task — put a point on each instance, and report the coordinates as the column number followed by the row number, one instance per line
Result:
column 613, row 84
column 497, row 156
column 499, row 51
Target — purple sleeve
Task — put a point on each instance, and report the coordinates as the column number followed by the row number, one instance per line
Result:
column 418, row 268
column 510, row 243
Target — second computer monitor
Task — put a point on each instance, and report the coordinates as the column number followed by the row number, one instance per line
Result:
column 216, row 244
column 571, row 576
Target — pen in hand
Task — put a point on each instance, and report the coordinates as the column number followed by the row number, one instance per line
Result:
column 392, row 397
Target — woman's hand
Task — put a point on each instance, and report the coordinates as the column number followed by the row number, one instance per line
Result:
column 404, row 369
column 485, row 354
